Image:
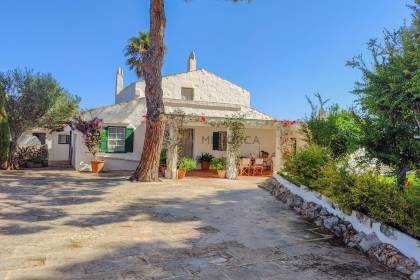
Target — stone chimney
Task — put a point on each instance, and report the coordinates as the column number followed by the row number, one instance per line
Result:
column 192, row 62
column 119, row 83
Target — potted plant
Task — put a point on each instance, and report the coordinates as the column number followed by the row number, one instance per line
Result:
column 91, row 131
column 185, row 164
column 219, row 164
column 205, row 160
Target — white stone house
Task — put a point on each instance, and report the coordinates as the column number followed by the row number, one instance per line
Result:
column 58, row 143
column 195, row 92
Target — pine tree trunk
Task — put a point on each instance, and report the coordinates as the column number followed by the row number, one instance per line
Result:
column 147, row 169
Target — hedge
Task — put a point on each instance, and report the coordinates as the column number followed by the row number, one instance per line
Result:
column 370, row 193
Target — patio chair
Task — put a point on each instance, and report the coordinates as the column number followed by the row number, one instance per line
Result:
column 258, row 166
column 244, row 166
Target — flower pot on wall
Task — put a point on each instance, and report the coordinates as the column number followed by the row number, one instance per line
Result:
column 181, row 173
column 205, row 165
column 97, row 166
column 221, row 173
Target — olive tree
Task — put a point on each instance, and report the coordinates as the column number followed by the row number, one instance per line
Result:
column 33, row 100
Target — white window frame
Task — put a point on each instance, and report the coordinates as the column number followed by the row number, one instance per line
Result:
column 67, row 138
column 116, row 136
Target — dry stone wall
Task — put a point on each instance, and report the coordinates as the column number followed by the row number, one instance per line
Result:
column 386, row 254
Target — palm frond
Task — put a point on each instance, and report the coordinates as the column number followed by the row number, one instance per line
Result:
column 136, row 50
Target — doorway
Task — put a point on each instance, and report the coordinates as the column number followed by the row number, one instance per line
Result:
column 188, row 143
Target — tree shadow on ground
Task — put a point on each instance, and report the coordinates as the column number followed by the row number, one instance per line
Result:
column 43, row 196
column 227, row 233
column 224, row 234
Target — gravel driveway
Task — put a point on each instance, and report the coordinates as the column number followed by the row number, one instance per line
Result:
column 60, row 224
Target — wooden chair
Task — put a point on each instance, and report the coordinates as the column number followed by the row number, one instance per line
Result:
column 258, row 166
column 244, row 166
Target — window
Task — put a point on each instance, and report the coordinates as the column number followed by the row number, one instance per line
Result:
column 187, row 93
column 64, row 139
column 219, row 141
column 116, row 139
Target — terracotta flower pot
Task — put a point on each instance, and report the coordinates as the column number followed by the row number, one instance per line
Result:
column 221, row 173
column 181, row 173
column 205, row 165
column 97, row 165
column 162, row 169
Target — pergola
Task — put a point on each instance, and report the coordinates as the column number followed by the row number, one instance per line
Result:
column 173, row 125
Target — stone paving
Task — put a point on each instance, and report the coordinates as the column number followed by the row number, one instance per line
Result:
column 60, row 224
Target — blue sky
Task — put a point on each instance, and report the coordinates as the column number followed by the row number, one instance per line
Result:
column 280, row 50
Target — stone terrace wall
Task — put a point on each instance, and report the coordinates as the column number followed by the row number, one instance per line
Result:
column 355, row 230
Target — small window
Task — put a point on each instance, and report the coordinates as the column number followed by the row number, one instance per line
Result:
column 220, row 141
column 116, row 139
column 187, row 93
column 64, row 139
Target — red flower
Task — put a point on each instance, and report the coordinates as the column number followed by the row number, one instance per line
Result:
column 407, row 184
column 203, row 119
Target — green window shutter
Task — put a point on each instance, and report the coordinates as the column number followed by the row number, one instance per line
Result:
column 216, row 140
column 103, row 148
column 129, row 140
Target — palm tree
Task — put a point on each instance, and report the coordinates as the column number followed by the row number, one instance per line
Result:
column 145, row 55
column 135, row 50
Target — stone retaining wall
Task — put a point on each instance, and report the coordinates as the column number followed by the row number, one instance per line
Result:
column 356, row 230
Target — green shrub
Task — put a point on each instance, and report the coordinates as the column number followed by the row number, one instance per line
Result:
column 305, row 165
column 339, row 131
column 218, row 164
column 187, row 163
column 370, row 193
column 411, row 208
column 377, row 197
column 335, row 183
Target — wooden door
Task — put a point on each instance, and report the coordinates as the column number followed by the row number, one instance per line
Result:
column 188, row 143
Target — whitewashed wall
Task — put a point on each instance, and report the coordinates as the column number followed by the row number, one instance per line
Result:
column 80, row 152
column 128, row 93
column 57, row 152
column 257, row 140
column 113, row 161
column 207, row 87
column 202, row 144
